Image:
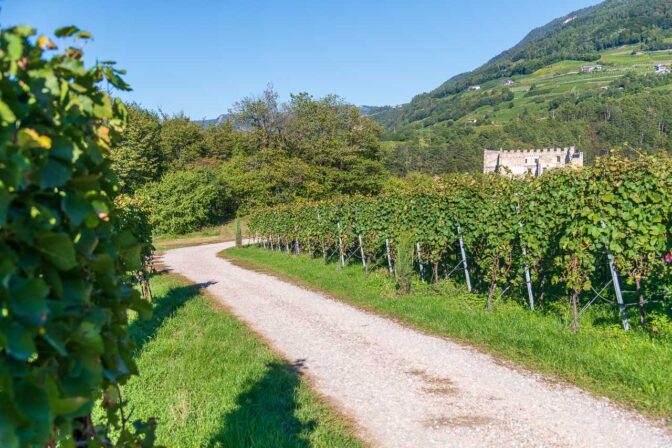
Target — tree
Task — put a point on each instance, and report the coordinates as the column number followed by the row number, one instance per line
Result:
column 334, row 137
column 182, row 140
column 222, row 141
column 137, row 159
column 262, row 117
column 307, row 149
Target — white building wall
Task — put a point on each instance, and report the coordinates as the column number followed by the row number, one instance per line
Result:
column 534, row 162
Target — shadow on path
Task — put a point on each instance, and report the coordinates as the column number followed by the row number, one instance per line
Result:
column 142, row 331
column 266, row 414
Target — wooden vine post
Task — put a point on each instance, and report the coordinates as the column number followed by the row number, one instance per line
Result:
column 340, row 246
column 324, row 250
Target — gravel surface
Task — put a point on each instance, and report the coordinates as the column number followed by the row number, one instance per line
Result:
column 404, row 388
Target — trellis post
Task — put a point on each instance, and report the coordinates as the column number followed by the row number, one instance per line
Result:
column 324, row 250
column 528, row 279
column 361, row 251
column 340, row 246
column 464, row 259
column 422, row 267
column 389, row 257
column 617, row 287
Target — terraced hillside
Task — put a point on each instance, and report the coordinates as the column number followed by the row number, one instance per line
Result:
column 588, row 78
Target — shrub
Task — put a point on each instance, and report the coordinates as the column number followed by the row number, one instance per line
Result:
column 63, row 252
column 185, row 201
column 133, row 216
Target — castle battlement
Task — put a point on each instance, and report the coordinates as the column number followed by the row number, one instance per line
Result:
column 570, row 149
column 520, row 162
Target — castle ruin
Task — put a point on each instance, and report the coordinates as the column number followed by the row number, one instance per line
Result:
column 533, row 162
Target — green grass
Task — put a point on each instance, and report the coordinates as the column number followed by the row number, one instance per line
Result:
column 562, row 78
column 208, row 235
column 211, row 382
column 630, row 368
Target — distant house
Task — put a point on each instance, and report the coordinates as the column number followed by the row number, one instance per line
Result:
column 475, row 87
column 591, row 68
column 509, row 82
column 662, row 69
column 472, row 121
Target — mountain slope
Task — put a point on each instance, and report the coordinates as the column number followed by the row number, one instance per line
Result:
column 528, row 95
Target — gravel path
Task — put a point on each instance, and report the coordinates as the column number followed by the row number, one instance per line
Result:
column 407, row 389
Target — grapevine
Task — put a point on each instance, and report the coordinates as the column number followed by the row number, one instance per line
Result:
column 560, row 226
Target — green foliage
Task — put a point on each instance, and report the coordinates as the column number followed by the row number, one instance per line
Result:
column 307, row 149
column 137, row 158
column 556, row 218
column 153, row 144
column 185, row 201
column 404, row 267
column 182, row 140
column 63, row 247
column 133, row 216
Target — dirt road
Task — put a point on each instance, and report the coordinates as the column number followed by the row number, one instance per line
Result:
column 407, row 389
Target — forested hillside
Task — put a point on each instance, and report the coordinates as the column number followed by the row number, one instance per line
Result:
column 597, row 78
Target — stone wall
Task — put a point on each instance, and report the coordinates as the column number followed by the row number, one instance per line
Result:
column 533, row 161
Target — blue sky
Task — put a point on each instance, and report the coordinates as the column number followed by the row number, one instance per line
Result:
column 199, row 57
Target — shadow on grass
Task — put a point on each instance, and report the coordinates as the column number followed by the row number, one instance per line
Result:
column 142, row 331
column 266, row 414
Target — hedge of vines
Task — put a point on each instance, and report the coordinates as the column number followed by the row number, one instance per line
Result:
column 65, row 249
column 560, row 225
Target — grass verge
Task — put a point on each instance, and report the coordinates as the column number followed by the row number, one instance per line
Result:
column 632, row 369
column 211, row 382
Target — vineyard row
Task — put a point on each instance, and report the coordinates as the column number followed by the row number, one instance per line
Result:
column 568, row 232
